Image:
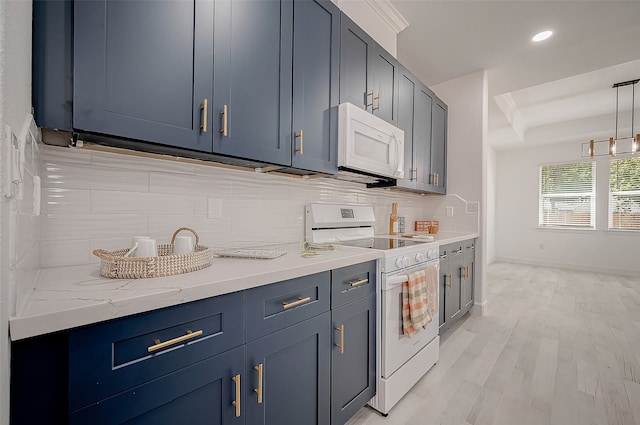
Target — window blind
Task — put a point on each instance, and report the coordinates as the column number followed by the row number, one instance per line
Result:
column 624, row 193
column 567, row 195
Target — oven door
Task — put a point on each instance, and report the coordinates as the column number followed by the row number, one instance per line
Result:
column 397, row 348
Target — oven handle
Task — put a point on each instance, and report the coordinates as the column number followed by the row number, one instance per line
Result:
column 401, row 278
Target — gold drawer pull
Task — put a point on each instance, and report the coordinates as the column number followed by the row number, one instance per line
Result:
column 259, row 389
column 378, row 99
column 236, row 402
column 224, row 112
column 341, row 344
column 450, row 285
column 296, row 136
column 160, row 345
column 203, row 126
column 359, row 282
column 286, row 305
column 367, row 100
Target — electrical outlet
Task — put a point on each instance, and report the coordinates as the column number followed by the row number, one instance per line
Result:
column 449, row 211
column 214, row 209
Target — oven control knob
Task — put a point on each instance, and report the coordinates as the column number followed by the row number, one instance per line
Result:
column 420, row 257
column 433, row 254
column 401, row 262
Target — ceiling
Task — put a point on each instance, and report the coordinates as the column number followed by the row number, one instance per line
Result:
column 558, row 90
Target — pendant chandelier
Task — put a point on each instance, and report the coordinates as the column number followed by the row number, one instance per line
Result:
column 616, row 145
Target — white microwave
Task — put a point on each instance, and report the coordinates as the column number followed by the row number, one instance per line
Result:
column 368, row 144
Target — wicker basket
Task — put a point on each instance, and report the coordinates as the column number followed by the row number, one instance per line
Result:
column 114, row 264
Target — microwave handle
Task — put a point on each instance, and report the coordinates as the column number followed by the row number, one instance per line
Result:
column 396, row 144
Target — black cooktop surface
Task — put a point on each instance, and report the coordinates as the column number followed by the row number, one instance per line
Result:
column 382, row 243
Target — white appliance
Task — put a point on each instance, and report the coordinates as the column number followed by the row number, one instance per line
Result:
column 368, row 147
column 401, row 361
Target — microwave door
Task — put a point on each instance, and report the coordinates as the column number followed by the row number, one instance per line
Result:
column 374, row 151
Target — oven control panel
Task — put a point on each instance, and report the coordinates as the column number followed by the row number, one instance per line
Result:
column 391, row 262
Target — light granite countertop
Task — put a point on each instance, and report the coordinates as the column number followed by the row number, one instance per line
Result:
column 68, row 297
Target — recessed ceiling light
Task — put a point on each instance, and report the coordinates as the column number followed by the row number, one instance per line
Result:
column 542, row 35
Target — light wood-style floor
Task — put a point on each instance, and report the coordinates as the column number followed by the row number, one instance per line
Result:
column 555, row 347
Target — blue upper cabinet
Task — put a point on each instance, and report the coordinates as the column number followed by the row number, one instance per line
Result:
column 143, row 70
column 423, row 117
column 439, row 147
column 369, row 75
column 252, row 79
column 316, row 76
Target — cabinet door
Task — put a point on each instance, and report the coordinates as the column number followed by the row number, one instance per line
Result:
column 385, row 85
column 467, row 286
column 202, row 393
column 316, row 68
column 142, row 70
column 353, row 365
column 356, row 61
column 252, row 79
column 439, row 147
column 406, row 122
column 444, row 291
column 453, row 297
column 422, row 137
column 296, row 364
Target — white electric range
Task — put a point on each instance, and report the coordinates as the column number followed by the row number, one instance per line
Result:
column 401, row 361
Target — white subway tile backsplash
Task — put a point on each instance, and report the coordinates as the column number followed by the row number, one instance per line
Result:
column 64, row 154
column 136, row 163
column 99, row 200
column 75, row 227
column 80, row 176
column 191, row 184
column 66, row 201
column 108, row 201
column 65, row 253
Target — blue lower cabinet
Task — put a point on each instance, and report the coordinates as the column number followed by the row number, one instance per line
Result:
column 353, row 365
column 288, row 375
column 203, row 393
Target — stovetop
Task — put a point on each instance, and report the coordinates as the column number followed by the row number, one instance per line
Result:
column 383, row 243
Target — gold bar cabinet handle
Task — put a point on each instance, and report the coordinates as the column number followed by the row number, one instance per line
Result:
column 236, row 402
column 378, row 99
column 299, row 135
column 160, row 345
column 367, row 100
column 359, row 282
column 341, row 344
column 224, row 114
column 259, row 389
column 203, row 126
column 450, row 285
column 416, row 174
column 286, row 305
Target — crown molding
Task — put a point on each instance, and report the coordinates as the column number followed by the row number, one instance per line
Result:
column 389, row 14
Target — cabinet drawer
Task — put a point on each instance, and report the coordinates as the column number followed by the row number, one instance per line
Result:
column 197, row 395
column 469, row 250
column 444, row 256
column 352, row 282
column 456, row 253
column 276, row 306
column 114, row 356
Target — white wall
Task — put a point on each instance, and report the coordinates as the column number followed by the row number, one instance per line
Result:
column 15, row 104
column 467, row 100
column 517, row 237
column 492, row 182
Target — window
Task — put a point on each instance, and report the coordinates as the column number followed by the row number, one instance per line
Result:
column 567, row 195
column 624, row 194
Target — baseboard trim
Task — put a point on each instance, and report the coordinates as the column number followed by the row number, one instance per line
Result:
column 478, row 309
column 569, row 266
